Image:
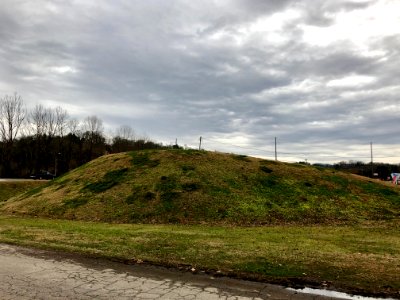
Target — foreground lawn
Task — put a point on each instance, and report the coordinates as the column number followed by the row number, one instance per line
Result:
column 359, row 259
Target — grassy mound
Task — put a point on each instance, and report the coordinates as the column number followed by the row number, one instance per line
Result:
column 10, row 189
column 187, row 186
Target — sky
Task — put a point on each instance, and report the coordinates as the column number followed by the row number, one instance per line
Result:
column 321, row 76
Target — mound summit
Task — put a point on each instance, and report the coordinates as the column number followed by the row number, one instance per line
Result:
column 192, row 187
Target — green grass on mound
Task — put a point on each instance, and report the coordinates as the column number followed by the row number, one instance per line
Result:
column 10, row 189
column 188, row 186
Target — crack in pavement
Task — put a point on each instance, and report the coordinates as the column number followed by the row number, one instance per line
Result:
column 39, row 274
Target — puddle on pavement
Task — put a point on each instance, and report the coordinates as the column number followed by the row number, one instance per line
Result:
column 335, row 294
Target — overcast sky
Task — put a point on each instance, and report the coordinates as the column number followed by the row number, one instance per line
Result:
column 321, row 76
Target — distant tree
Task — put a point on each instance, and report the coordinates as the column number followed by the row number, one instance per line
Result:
column 12, row 116
column 73, row 127
column 94, row 141
column 24, row 155
column 39, row 127
column 121, row 145
column 361, row 168
column 53, row 142
column 93, row 124
column 73, row 151
column 125, row 132
column 38, row 120
column 142, row 144
column 48, row 126
column 61, row 121
column 124, row 140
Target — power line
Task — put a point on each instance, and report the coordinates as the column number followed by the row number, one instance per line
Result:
column 247, row 148
column 298, row 154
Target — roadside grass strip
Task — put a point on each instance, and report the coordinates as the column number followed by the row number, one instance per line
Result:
column 361, row 258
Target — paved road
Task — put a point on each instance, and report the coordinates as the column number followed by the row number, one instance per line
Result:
column 17, row 179
column 36, row 274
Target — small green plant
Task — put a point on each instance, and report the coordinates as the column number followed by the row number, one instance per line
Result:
column 166, row 184
column 241, row 157
column 167, row 187
column 268, row 181
column 109, row 180
column 265, row 169
column 140, row 194
column 191, row 186
column 142, row 159
column 219, row 190
column 74, row 203
column 187, row 168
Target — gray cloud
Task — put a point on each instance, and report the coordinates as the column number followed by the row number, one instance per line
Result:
column 322, row 12
column 237, row 72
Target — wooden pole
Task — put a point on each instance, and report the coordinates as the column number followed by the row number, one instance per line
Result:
column 372, row 162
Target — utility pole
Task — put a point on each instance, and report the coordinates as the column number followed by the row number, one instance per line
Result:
column 55, row 166
column 56, row 163
column 372, row 162
column 276, row 154
column 200, row 144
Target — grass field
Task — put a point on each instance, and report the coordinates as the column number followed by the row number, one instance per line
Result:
column 360, row 259
column 223, row 213
column 192, row 187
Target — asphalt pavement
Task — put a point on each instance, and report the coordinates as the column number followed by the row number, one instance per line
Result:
column 16, row 179
column 38, row 274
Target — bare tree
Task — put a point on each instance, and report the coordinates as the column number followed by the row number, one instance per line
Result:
column 61, row 120
column 123, row 140
column 125, row 132
column 12, row 116
column 39, row 120
column 51, row 122
column 93, row 124
column 48, row 121
column 94, row 144
column 73, row 126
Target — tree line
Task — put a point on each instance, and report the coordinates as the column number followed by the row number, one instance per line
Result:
column 375, row 170
column 48, row 139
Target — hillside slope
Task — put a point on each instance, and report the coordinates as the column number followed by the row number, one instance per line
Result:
column 187, row 186
column 11, row 188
